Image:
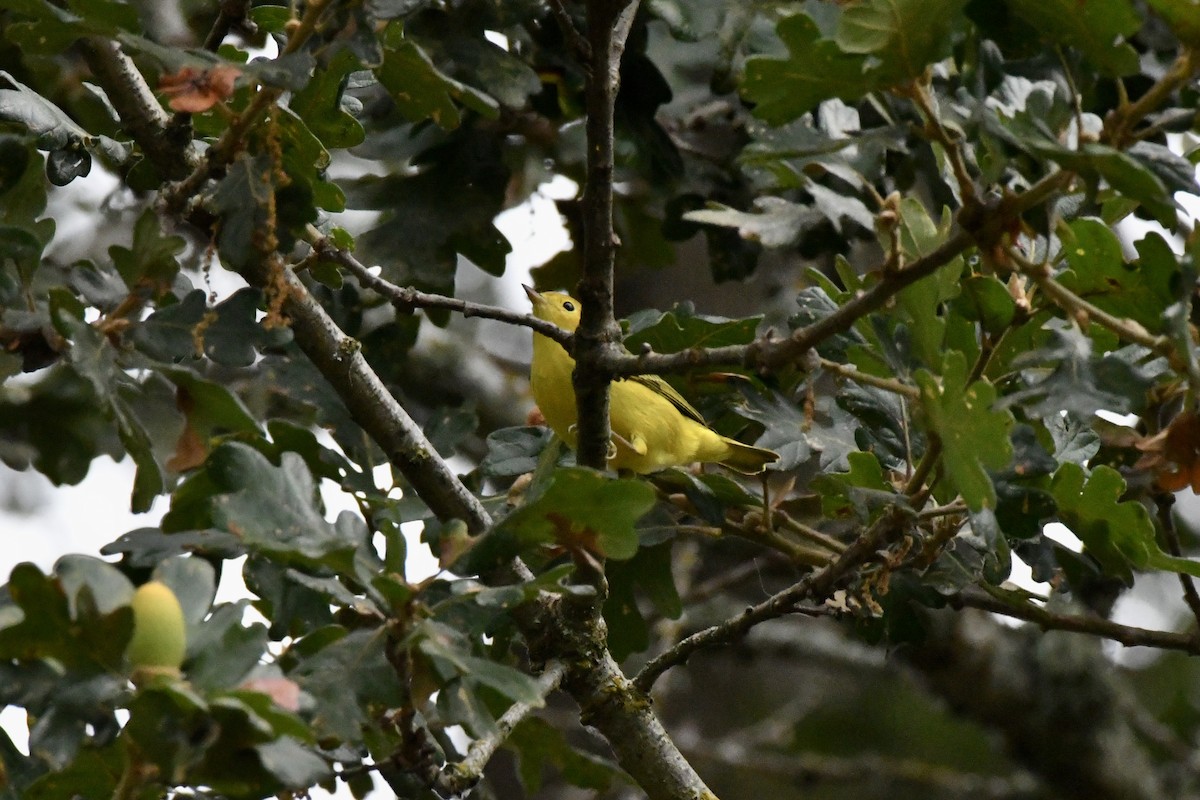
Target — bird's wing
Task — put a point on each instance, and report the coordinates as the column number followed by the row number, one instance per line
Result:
column 665, row 390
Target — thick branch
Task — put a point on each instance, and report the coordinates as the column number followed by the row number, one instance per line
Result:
column 340, row 360
column 140, row 114
column 608, row 23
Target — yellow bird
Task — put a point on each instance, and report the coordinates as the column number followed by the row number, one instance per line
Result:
column 653, row 427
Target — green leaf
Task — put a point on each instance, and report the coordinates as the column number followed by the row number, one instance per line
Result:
column 773, row 223
column 272, row 509
column 984, row 299
column 349, row 678
column 194, row 582
column 237, row 336
column 291, row 763
column 904, row 35
column 922, row 302
column 222, row 651
column 650, row 572
column 785, row 423
column 980, row 552
column 242, row 199
column 320, row 105
column 858, row 494
column 62, row 620
column 974, row 437
column 816, row 69
column 1067, row 375
column 682, row 328
column 420, row 90
column 53, row 425
column 448, row 208
column 1099, row 274
column 52, row 126
column 94, row 773
column 581, row 508
column 151, row 260
column 95, row 358
column 514, row 451
column 1119, row 534
column 1123, row 172
column 1098, row 29
column 144, row 548
column 1181, row 17
column 211, row 408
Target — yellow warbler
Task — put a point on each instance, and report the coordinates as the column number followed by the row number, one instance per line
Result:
column 653, row 427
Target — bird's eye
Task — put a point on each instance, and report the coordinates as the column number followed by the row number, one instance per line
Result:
column 568, row 306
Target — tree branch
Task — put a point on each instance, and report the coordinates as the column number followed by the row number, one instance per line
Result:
column 813, row 769
column 406, row 299
column 1165, row 503
column 816, row 586
column 1128, row 635
column 606, row 698
column 1120, row 122
column 608, row 24
column 339, row 358
column 457, row 778
column 225, row 149
column 140, row 114
column 1054, row 700
column 232, row 14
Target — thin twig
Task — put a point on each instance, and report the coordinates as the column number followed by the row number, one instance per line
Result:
column 817, row 586
column 226, row 148
column 953, row 147
column 1119, row 124
column 850, row 372
column 1075, row 305
column 406, row 298
column 997, row 602
column 232, row 13
column 457, row 778
column 1166, row 503
column 571, row 33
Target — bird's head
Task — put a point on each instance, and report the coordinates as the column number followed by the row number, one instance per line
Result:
column 556, row 307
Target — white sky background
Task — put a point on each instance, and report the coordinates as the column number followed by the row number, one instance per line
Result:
column 40, row 522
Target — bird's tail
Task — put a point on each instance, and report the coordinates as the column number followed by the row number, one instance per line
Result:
column 747, row 459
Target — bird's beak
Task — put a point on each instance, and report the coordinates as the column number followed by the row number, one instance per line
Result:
column 533, row 295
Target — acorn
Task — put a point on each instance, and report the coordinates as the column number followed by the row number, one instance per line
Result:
column 159, row 640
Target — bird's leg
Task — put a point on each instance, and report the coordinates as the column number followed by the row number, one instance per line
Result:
column 614, row 440
column 619, row 439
